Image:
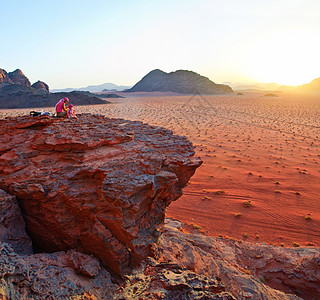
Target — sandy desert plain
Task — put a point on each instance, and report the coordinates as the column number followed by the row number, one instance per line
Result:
column 260, row 177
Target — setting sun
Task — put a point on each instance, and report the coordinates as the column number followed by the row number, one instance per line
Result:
column 286, row 58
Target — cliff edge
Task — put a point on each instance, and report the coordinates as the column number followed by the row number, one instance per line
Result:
column 83, row 217
column 98, row 185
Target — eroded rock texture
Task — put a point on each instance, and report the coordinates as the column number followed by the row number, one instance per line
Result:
column 12, row 226
column 96, row 185
column 248, row 271
column 60, row 275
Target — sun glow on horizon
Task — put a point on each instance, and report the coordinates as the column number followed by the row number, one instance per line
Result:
column 121, row 41
column 285, row 58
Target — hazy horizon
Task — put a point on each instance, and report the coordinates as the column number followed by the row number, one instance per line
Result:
column 77, row 44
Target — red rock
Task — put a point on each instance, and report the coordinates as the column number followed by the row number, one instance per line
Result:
column 247, row 270
column 12, row 226
column 52, row 276
column 96, row 185
column 83, row 264
column 170, row 281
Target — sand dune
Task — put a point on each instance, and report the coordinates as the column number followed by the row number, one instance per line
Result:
column 260, row 149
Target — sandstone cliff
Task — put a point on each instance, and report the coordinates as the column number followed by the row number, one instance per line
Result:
column 100, row 186
column 181, row 81
column 187, row 266
column 92, row 194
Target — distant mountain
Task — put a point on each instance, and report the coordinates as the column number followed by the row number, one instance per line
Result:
column 181, row 81
column 255, row 86
column 314, row 85
column 17, row 96
column 14, row 78
column 309, row 88
column 96, row 88
column 16, row 91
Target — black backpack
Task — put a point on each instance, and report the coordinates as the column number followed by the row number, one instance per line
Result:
column 35, row 113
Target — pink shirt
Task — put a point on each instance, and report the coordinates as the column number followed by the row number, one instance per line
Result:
column 59, row 106
column 71, row 113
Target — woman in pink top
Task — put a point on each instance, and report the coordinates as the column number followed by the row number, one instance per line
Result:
column 71, row 112
column 61, row 109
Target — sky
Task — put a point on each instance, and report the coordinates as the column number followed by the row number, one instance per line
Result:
column 80, row 43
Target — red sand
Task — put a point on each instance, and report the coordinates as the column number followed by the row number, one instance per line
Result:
column 257, row 148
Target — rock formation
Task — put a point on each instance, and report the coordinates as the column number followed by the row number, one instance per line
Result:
column 4, row 79
column 93, row 194
column 17, row 77
column 16, row 92
column 99, row 186
column 12, row 226
column 59, row 275
column 187, row 266
column 110, row 95
column 40, row 85
column 16, row 96
column 249, row 271
column 181, row 81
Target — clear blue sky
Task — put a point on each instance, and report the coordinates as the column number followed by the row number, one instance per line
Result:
column 78, row 43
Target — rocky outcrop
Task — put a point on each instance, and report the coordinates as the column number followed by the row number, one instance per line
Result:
column 60, row 275
column 4, row 79
column 12, row 226
column 17, row 96
column 16, row 92
column 154, row 280
column 98, row 185
column 185, row 266
column 17, row 77
column 181, row 81
column 40, row 85
column 93, row 194
column 110, row 95
column 248, row 271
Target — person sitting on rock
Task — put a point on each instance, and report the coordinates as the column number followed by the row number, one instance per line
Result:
column 71, row 112
column 61, row 109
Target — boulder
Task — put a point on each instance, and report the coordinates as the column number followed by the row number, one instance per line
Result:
column 97, row 185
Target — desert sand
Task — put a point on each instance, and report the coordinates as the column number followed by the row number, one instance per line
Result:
column 260, row 178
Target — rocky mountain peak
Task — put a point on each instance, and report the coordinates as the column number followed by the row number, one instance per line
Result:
column 181, row 81
column 4, row 77
column 17, row 77
column 40, row 85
